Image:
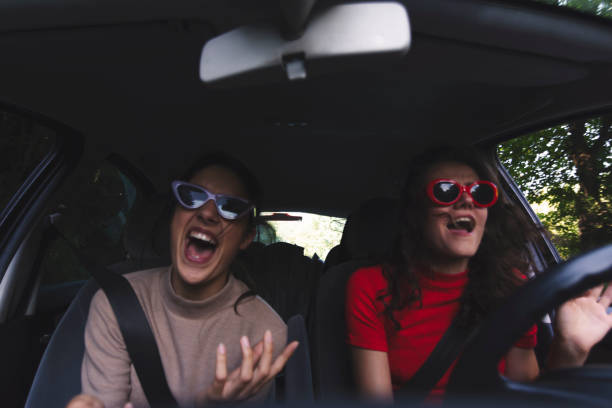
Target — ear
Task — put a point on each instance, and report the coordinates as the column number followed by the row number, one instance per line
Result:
column 248, row 238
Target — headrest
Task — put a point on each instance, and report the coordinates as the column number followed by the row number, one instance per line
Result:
column 147, row 231
column 370, row 230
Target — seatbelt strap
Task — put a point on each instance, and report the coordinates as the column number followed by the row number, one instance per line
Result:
column 443, row 355
column 137, row 334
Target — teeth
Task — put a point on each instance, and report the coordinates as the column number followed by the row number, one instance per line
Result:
column 466, row 223
column 202, row 237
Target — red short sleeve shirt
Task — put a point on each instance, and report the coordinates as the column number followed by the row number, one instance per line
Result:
column 421, row 327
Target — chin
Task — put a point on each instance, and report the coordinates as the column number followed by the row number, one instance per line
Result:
column 193, row 276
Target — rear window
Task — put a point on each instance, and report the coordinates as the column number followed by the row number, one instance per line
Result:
column 317, row 234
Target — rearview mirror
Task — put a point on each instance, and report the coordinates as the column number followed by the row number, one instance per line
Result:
column 347, row 32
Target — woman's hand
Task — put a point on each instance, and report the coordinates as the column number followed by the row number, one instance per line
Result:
column 580, row 323
column 89, row 401
column 256, row 370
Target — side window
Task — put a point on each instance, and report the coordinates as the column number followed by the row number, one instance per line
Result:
column 565, row 174
column 23, row 144
column 91, row 220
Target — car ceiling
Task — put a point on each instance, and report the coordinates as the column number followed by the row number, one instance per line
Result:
column 126, row 77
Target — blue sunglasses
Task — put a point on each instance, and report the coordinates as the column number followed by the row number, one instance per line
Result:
column 191, row 197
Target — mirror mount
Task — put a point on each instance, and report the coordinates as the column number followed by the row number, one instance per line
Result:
column 296, row 13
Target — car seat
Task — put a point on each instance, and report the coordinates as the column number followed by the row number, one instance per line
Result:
column 367, row 238
column 374, row 217
column 58, row 377
column 283, row 276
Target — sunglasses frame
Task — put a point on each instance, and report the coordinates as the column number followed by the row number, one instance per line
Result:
column 176, row 184
column 462, row 189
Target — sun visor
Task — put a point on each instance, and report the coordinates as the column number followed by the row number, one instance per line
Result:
column 335, row 39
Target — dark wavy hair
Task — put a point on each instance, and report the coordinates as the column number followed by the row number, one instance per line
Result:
column 492, row 270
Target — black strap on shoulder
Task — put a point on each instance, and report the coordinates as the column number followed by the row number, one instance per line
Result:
column 138, row 336
column 446, row 351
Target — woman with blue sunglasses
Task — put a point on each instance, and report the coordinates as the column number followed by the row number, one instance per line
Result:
column 461, row 250
column 217, row 341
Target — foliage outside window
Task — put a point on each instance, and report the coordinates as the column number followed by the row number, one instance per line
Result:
column 597, row 7
column 565, row 173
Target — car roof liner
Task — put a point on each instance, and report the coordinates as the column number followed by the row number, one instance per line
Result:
column 468, row 77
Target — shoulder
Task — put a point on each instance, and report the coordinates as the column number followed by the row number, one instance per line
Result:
column 141, row 281
column 254, row 316
column 370, row 278
column 256, row 309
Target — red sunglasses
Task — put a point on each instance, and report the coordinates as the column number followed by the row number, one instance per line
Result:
column 447, row 192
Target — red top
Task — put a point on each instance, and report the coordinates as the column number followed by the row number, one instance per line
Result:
column 421, row 328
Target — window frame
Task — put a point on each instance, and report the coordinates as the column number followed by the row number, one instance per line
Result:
column 23, row 209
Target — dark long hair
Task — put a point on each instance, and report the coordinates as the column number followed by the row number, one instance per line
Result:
column 254, row 195
column 492, row 270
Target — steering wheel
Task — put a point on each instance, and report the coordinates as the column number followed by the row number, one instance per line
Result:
column 476, row 370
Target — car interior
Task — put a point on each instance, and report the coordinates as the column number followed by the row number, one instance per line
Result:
column 326, row 102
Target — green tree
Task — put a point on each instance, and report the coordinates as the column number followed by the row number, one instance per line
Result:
column 597, row 7
column 567, row 167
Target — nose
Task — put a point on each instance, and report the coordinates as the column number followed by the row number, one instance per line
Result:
column 208, row 213
column 465, row 200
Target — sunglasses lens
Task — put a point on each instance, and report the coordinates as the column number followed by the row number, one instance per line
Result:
column 231, row 208
column 445, row 191
column 483, row 193
column 191, row 197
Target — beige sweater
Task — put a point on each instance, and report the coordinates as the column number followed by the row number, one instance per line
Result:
column 187, row 335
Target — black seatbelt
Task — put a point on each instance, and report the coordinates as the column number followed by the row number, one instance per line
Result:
column 446, row 351
column 137, row 334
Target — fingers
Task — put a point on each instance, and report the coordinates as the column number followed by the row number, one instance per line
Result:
column 216, row 390
column 256, row 369
column 85, row 401
column 605, row 296
column 282, row 359
column 262, row 371
column 246, row 368
column 268, row 352
column 594, row 292
column 277, row 366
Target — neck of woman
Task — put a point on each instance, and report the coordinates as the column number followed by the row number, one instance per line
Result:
column 449, row 266
column 197, row 292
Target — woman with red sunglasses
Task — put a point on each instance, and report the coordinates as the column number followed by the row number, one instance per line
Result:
column 217, row 341
column 461, row 250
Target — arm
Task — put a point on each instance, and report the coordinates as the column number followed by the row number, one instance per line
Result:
column 105, row 372
column 367, row 336
column 372, row 374
column 521, row 364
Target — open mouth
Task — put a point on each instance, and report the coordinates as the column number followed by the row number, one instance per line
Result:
column 200, row 246
column 462, row 223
